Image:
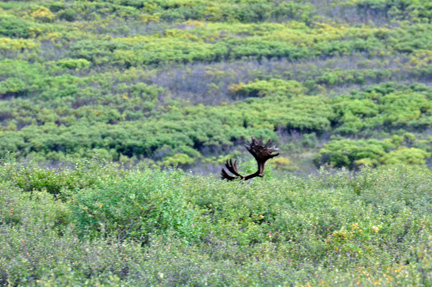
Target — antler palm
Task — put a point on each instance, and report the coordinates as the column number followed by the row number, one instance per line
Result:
column 261, row 153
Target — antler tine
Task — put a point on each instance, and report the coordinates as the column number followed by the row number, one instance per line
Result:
column 273, row 148
column 274, row 155
column 256, row 141
column 225, row 175
column 268, row 144
column 232, row 167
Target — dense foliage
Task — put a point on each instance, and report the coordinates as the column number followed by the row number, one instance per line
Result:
column 95, row 224
column 100, row 99
column 177, row 83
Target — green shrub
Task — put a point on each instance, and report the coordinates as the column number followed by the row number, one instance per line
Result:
column 352, row 154
column 60, row 182
column 135, row 206
column 37, row 208
column 407, row 156
column 56, row 6
column 271, row 87
column 14, row 27
column 177, row 160
column 68, row 15
column 383, row 107
column 77, row 64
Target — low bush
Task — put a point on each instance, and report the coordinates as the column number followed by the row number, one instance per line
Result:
column 135, row 206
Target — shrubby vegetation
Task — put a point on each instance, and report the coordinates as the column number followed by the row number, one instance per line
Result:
column 105, row 225
column 177, row 83
column 384, row 107
column 101, row 100
column 125, row 79
column 353, row 154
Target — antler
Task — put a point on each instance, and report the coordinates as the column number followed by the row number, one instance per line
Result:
column 261, row 153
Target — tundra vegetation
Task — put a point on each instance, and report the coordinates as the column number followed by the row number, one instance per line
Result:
column 106, row 105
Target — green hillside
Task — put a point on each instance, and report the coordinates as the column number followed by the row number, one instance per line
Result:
column 181, row 83
column 116, row 116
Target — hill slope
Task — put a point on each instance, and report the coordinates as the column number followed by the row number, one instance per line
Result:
column 180, row 82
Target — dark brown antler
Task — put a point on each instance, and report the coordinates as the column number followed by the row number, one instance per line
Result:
column 261, row 153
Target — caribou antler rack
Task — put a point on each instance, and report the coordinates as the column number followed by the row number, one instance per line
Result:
column 260, row 152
